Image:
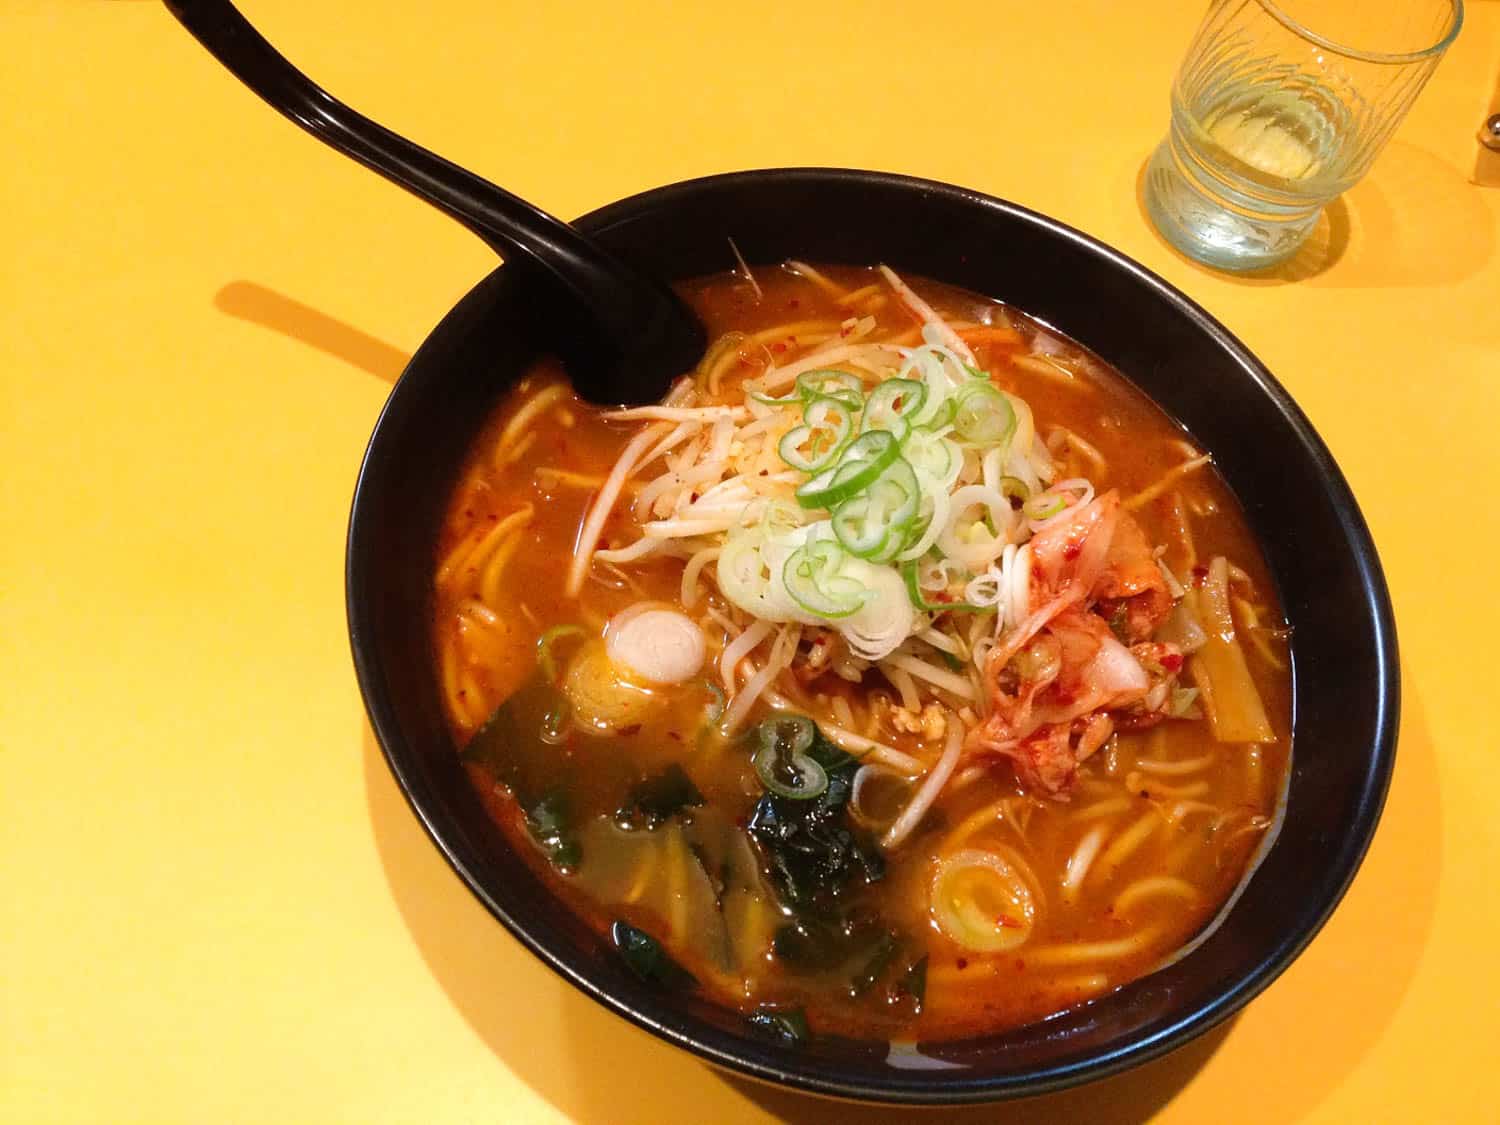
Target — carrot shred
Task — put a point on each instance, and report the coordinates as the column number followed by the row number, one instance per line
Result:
column 996, row 335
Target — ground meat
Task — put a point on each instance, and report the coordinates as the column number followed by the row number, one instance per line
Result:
column 930, row 723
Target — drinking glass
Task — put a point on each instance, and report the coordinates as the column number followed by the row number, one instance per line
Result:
column 1279, row 107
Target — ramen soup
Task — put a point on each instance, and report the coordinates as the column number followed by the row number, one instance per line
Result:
column 905, row 674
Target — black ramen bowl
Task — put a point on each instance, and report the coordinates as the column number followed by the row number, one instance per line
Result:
column 1319, row 550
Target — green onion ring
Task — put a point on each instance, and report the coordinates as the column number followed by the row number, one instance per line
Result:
column 892, row 404
column 984, row 415
column 914, row 591
column 824, row 418
column 863, row 462
column 783, row 763
column 874, row 524
column 544, row 645
column 811, row 576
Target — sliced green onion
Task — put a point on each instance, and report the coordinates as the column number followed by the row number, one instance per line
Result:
column 892, row 405
column 824, row 382
column 862, row 463
column 812, row 577
column 544, row 645
column 874, row 524
column 783, row 764
column 914, row 591
column 814, row 445
column 942, row 417
column 1014, row 488
column 976, row 543
column 742, row 571
column 932, row 517
column 827, row 383
column 934, row 457
column 779, row 517
column 716, row 701
column 919, row 524
column 984, row 415
column 929, row 363
column 771, row 400
column 982, row 902
column 1044, row 506
column 793, row 733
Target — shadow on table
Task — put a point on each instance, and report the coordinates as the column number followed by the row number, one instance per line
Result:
column 1126, row 1099
column 248, row 301
column 1311, row 1029
column 583, row 1059
column 1414, row 222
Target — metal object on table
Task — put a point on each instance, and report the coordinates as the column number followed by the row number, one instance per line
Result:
column 1489, row 133
column 1487, row 157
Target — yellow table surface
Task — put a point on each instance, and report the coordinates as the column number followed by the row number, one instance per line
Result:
column 217, row 906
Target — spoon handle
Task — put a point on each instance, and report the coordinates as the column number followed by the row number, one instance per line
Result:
column 623, row 302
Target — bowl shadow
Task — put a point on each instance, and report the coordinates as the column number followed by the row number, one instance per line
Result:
column 1313, row 1026
column 585, row 1061
column 1126, row 1099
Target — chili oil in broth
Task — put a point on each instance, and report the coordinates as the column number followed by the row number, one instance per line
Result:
column 1169, row 816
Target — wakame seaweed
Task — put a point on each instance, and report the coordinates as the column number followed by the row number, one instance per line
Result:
column 818, row 864
column 487, row 746
column 550, row 822
column 876, row 961
column 647, row 959
column 658, row 798
column 862, row 947
column 787, row 1026
column 816, row 944
column 914, row 982
column 509, row 748
column 539, row 786
column 813, row 856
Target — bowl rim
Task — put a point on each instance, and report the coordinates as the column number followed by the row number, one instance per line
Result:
column 940, row 1087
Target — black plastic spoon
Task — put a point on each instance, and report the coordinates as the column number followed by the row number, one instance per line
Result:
column 635, row 335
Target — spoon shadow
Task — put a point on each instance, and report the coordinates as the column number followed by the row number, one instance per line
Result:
column 256, row 304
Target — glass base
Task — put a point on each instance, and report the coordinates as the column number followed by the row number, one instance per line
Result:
column 1209, row 231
